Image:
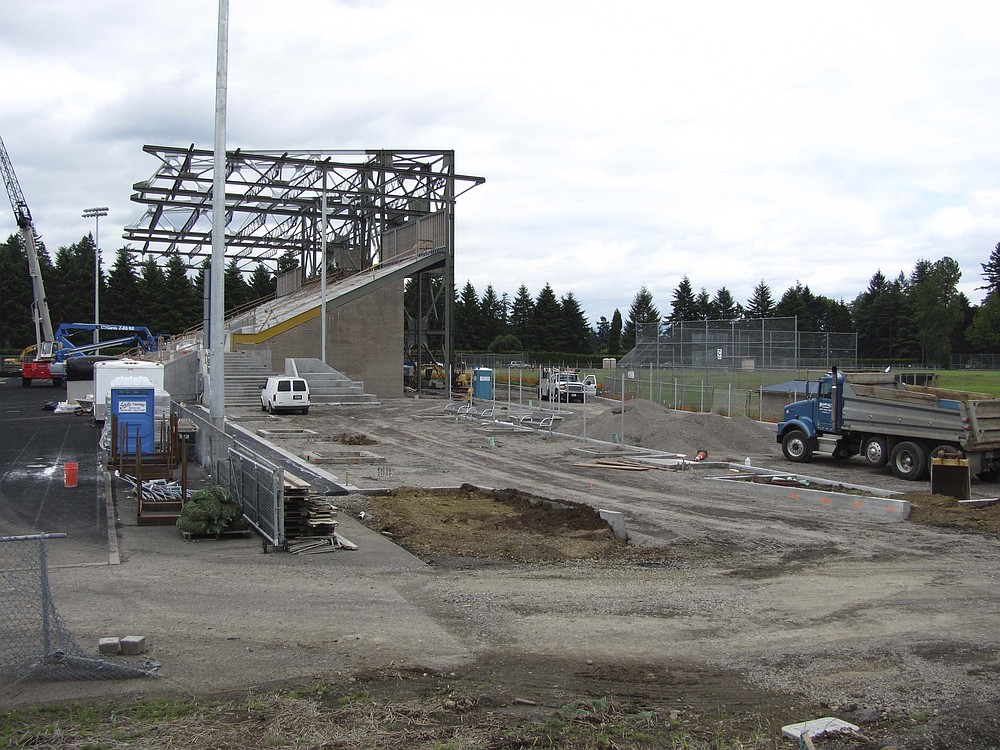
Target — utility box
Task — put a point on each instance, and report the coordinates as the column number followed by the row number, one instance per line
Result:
column 482, row 383
column 106, row 372
column 133, row 401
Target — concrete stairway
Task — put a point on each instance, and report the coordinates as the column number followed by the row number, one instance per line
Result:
column 328, row 386
column 245, row 377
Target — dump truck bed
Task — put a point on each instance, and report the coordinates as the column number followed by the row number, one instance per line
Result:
column 874, row 402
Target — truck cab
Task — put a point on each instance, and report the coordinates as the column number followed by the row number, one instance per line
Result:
column 808, row 421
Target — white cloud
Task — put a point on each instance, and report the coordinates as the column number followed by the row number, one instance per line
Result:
column 623, row 144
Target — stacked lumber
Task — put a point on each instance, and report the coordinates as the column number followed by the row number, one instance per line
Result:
column 310, row 520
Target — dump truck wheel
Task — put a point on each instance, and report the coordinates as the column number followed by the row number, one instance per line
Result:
column 26, row 382
column 875, row 451
column 795, row 446
column 909, row 461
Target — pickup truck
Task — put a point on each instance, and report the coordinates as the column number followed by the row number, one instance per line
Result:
column 888, row 422
column 565, row 385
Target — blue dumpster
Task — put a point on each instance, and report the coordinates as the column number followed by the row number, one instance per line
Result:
column 132, row 401
column 482, row 383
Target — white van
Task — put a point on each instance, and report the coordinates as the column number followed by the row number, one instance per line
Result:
column 284, row 393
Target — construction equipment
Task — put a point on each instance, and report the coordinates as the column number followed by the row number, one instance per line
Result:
column 37, row 365
column 890, row 422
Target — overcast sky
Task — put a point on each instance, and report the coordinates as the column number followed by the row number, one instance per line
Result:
column 623, row 144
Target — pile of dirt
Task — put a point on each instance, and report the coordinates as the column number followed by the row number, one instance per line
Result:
column 947, row 512
column 651, row 425
column 507, row 525
column 349, row 438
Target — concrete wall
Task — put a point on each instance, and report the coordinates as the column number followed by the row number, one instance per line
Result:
column 364, row 340
column 180, row 377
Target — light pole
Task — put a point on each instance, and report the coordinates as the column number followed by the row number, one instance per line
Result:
column 96, row 214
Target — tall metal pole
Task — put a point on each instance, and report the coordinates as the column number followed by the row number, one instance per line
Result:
column 322, row 305
column 217, row 352
column 96, row 214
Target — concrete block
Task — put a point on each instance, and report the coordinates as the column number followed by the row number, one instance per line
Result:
column 133, row 644
column 109, row 645
column 616, row 520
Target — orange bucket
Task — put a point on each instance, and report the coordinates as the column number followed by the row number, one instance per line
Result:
column 70, row 470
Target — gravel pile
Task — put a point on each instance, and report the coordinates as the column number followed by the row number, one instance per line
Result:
column 650, row 425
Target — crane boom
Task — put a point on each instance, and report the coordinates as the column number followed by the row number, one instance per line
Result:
column 44, row 336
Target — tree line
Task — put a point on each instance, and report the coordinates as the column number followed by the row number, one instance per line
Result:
column 166, row 299
column 919, row 317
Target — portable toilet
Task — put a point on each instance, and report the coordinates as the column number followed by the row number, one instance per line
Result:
column 482, row 383
column 107, row 372
column 133, row 400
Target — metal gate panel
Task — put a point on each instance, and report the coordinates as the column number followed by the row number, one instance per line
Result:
column 258, row 487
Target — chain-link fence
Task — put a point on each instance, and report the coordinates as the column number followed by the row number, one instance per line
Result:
column 34, row 642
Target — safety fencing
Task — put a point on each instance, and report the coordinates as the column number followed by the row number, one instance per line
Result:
column 34, row 642
column 252, row 481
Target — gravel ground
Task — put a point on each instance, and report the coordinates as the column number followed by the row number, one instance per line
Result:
column 795, row 608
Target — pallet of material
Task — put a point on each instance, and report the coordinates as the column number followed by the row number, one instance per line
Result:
column 192, row 537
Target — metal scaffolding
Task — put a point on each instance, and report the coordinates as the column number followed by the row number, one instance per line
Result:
column 274, row 215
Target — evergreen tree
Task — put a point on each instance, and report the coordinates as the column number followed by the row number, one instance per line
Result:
column 578, row 333
column 492, row 315
column 724, row 307
column 615, row 334
column 119, row 303
column 991, row 272
column 984, row 333
column 70, row 285
column 760, row 304
column 798, row 302
column 152, row 298
column 183, row 312
column 237, row 291
column 602, row 335
column 642, row 313
column 16, row 326
column 522, row 311
column 468, row 320
column 684, row 306
column 547, row 322
column 703, row 306
column 287, row 261
column 263, row 284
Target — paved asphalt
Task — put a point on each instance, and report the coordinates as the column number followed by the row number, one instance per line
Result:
column 34, row 446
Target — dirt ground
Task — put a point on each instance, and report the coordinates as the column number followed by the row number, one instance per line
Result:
column 729, row 613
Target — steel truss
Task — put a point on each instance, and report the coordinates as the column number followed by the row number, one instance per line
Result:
column 274, row 211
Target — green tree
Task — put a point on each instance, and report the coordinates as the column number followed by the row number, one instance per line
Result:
column 119, row 304
column 578, row 333
column 615, row 334
column 724, row 307
column 506, row 343
column 152, row 298
column 493, row 314
column 15, row 295
column 237, row 291
column 183, row 312
column 984, row 333
column 468, row 320
column 263, row 284
column 760, row 304
column 991, row 271
column 522, row 311
column 547, row 322
column 798, row 302
column 703, row 305
column 602, row 334
column 683, row 306
column 642, row 313
column 936, row 308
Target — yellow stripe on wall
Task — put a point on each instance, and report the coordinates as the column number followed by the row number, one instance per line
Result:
column 270, row 333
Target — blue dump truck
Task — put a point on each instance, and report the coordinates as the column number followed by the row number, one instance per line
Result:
column 873, row 415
